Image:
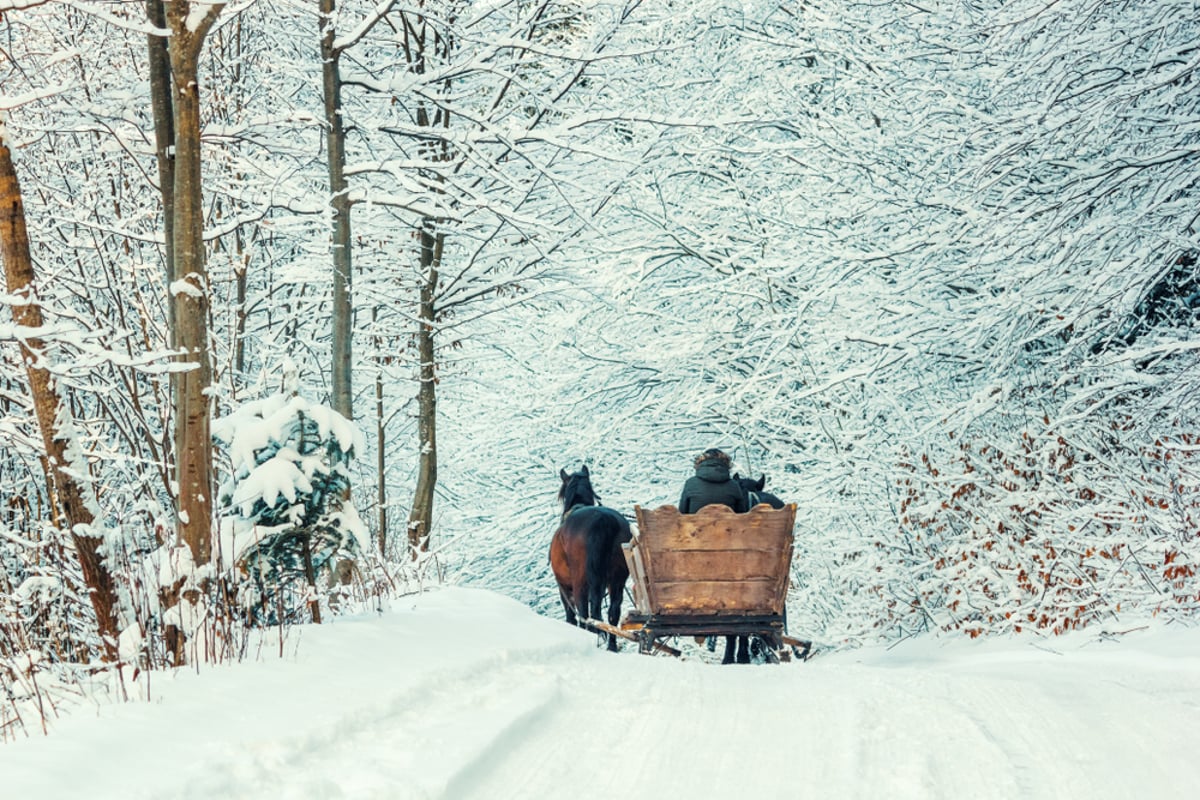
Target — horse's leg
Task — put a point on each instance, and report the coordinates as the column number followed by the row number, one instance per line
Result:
column 596, row 602
column 579, row 581
column 580, row 596
column 560, row 565
column 595, row 606
column 568, row 606
column 730, row 646
column 616, row 589
column 743, row 650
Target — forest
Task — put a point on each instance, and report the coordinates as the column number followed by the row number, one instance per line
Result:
column 307, row 304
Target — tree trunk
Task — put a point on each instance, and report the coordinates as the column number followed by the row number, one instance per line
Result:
column 380, row 450
column 164, row 136
column 75, row 513
column 190, row 294
column 420, row 518
column 239, row 273
column 423, row 41
column 159, row 74
column 310, row 576
column 342, row 312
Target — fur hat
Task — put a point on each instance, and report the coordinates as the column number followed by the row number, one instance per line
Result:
column 712, row 454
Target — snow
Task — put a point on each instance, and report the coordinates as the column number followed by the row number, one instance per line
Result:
column 42, row 589
column 178, row 563
column 462, row 693
column 268, row 481
column 259, row 422
column 197, row 14
column 185, row 286
column 744, row 259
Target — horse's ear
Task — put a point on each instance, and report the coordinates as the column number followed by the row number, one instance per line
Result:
column 584, row 471
column 737, row 476
column 760, row 483
column 562, row 473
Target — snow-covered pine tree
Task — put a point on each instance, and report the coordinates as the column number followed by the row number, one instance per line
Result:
column 288, row 490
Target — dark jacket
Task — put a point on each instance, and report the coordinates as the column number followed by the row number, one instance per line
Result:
column 712, row 485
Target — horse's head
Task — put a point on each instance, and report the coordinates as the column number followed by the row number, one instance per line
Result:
column 754, row 491
column 576, row 489
column 749, row 484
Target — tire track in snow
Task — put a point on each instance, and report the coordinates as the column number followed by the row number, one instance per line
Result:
column 515, row 707
column 535, row 724
column 416, row 743
column 1063, row 733
column 1049, row 732
column 640, row 727
column 584, row 732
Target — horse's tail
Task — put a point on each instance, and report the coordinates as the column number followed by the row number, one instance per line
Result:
column 603, row 537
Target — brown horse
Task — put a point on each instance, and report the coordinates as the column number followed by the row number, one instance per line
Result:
column 585, row 553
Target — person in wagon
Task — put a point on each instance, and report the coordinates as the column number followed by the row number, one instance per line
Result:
column 712, row 485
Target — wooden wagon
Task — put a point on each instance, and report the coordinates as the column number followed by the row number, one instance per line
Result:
column 713, row 573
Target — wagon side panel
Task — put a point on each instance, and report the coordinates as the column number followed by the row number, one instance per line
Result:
column 637, row 571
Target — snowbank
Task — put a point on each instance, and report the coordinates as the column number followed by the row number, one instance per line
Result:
column 466, row 694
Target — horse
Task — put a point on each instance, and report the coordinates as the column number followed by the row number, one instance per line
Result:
column 754, row 490
column 585, row 553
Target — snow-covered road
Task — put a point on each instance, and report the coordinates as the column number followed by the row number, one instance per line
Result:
column 465, row 694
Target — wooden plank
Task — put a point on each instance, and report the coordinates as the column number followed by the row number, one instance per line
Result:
column 712, row 561
column 717, row 565
column 706, row 597
column 715, row 528
column 598, row 625
column 659, row 646
column 637, row 571
column 644, row 594
column 714, row 625
column 636, row 621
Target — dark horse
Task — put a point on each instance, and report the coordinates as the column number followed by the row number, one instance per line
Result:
column 585, row 553
column 754, row 490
